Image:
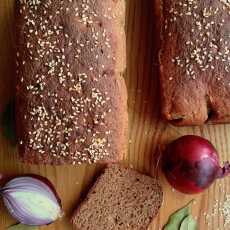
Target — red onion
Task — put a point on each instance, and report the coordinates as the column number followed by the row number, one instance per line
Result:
column 191, row 164
column 31, row 200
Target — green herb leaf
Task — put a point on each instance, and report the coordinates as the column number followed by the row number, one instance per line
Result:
column 22, row 227
column 176, row 218
column 8, row 122
column 188, row 223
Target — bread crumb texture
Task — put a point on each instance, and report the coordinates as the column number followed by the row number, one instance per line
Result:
column 120, row 199
column 71, row 96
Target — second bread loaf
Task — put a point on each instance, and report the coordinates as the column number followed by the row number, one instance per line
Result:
column 195, row 61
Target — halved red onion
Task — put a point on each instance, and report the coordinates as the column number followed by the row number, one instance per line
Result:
column 31, row 201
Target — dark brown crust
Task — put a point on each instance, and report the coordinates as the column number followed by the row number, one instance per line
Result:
column 77, row 112
column 153, row 197
column 195, row 90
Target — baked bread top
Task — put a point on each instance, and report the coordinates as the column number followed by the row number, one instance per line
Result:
column 71, row 96
column 195, row 61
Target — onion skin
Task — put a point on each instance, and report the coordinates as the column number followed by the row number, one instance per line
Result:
column 191, row 164
column 4, row 178
column 31, row 200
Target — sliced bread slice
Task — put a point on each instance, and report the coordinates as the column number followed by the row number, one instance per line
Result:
column 121, row 198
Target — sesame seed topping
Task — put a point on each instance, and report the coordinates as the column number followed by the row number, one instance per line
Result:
column 204, row 52
column 68, row 107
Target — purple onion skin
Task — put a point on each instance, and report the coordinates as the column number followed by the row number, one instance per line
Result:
column 6, row 178
column 32, row 190
column 191, row 164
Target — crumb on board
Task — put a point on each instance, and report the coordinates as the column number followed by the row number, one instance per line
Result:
column 220, row 208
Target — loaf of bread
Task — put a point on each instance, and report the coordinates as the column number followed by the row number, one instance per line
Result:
column 71, row 99
column 122, row 199
column 195, row 61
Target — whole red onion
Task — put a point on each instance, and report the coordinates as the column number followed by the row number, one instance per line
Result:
column 191, row 164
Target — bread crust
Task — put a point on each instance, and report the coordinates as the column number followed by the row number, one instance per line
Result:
column 71, row 98
column 195, row 61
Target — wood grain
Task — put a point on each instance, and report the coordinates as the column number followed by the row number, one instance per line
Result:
column 147, row 130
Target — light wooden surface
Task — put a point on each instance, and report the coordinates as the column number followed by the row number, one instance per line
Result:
column 147, row 131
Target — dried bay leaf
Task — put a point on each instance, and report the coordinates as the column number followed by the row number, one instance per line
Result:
column 176, row 219
column 188, row 223
column 22, row 227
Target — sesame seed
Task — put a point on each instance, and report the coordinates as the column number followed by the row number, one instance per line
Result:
column 53, row 123
column 202, row 49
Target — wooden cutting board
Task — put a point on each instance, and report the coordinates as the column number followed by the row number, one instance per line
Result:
column 147, row 130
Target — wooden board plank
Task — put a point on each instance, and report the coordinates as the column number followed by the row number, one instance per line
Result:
column 147, row 131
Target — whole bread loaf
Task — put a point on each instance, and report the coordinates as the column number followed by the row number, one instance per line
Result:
column 121, row 198
column 71, row 100
column 195, row 61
